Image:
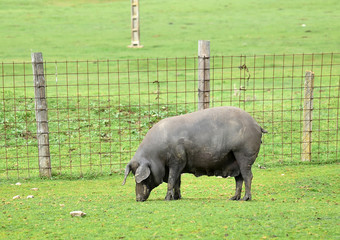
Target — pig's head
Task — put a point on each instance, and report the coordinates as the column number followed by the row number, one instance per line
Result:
column 143, row 177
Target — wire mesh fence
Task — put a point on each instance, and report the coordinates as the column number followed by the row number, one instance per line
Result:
column 99, row 111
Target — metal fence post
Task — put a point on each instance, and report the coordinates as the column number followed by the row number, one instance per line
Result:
column 41, row 115
column 203, row 74
column 307, row 117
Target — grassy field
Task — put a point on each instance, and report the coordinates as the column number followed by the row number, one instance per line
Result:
column 300, row 202
column 100, row 29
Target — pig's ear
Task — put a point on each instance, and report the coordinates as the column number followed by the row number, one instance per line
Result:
column 142, row 173
column 127, row 171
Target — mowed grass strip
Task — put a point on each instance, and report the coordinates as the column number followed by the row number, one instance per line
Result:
column 91, row 29
column 300, row 202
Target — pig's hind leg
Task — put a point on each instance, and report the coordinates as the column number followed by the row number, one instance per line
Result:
column 245, row 162
column 239, row 183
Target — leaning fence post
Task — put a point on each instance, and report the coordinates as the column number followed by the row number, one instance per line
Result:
column 203, row 74
column 41, row 115
column 307, row 117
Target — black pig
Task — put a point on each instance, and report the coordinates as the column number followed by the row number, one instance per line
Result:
column 221, row 141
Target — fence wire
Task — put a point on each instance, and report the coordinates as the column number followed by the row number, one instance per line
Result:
column 99, row 111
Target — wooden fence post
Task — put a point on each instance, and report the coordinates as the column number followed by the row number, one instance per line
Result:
column 307, row 117
column 41, row 115
column 203, row 74
column 135, row 30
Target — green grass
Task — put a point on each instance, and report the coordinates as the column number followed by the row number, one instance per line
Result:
column 300, row 202
column 91, row 29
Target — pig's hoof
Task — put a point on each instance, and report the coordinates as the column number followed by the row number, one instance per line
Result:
column 177, row 196
column 169, row 196
column 235, row 198
column 246, row 198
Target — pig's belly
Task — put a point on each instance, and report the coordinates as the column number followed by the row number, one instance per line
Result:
column 212, row 165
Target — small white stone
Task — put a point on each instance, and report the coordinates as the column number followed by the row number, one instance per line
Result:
column 261, row 167
column 30, row 196
column 34, row 189
column 18, row 184
column 16, row 197
column 77, row 214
